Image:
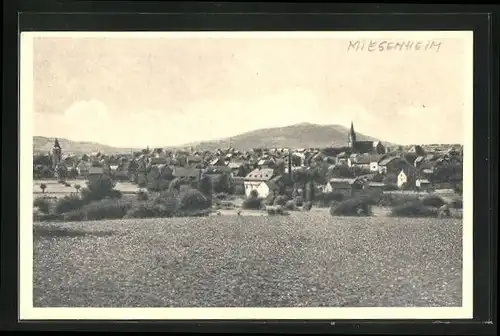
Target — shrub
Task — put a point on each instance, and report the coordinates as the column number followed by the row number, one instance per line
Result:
column 352, row 207
column 326, row 199
column 281, row 200
column 274, row 210
column 456, row 203
column 390, row 187
column 147, row 210
column 433, row 201
column 42, row 204
column 252, row 203
column 106, row 209
column 299, row 201
column 74, row 216
column 413, row 209
column 290, row 205
column 269, row 200
column 100, row 188
column 205, row 186
column 175, row 185
column 68, row 203
column 396, row 199
column 193, row 199
column 142, row 196
column 307, row 206
column 221, row 196
column 254, row 194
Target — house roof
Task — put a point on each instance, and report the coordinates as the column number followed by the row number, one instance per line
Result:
column 364, row 159
column 376, row 184
column 386, row 160
column 343, row 180
column 264, row 174
column 423, row 180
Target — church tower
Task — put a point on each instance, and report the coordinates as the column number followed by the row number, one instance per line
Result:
column 351, row 137
column 56, row 154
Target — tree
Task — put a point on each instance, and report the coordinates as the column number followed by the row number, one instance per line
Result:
column 77, row 187
column 43, row 186
column 62, row 172
column 175, row 185
column 205, row 186
column 310, row 191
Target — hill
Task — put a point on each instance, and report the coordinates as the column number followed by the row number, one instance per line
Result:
column 303, row 135
column 44, row 145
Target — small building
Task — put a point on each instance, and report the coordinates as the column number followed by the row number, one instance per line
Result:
column 402, row 179
column 345, row 186
column 423, row 184
column 257, row 180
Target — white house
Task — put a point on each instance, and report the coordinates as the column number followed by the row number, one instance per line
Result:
column 402, row 179
column 258, row 180
column 422, row 183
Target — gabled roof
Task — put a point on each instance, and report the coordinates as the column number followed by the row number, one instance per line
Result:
column 264, row 174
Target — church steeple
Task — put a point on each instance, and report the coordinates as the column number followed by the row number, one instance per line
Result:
column 56, row 154
column 351, row 137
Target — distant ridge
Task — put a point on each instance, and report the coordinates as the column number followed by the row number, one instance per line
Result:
column 44, row 144
column 303, row 135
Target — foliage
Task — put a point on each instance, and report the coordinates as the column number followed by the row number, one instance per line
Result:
column 175, row 185
column 98, row 210
column 269, row 200
column 252, row 203
column 325, row 199
column 67, row 204
column 43, row 186
column 310, row 192
column 433, row 201
column 456, row 203
column 307, row 206
column 205, row 186
column 352, row 207
column 388, row 199
column 281, row 200
column 100, row 188
column 290, row 205
column 142, row 195
column 275, row 210
column 72, row 173
column 193, row 199
column 42, row 204
column 299, row 201
column 413, row 209
column 224, row 184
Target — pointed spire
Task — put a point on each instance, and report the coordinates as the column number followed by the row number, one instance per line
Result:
column 56, row 144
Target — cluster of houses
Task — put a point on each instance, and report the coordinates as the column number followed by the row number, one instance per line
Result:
column 265, row 170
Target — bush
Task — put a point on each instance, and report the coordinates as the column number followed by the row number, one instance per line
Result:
column 205, row 186
column 390, row 187
column 413, row 209
column 269, row 200
column 153, row 209
column 326, row 199
column 307, row 206
column 299, row 201
column 42, row 204
column 193, row 199
column 106, row 209
column 352, row 207
column 433, row 201
column 456, row 203
column 68, row 203
column 252, row 203
column 391, row 200
column 100, row 188
column 142, row 196
column 221, row 196
column 275, row 210
column 290, row 205
column 281, row 200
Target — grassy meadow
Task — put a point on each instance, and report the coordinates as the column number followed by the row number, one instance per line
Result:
column 307, row 259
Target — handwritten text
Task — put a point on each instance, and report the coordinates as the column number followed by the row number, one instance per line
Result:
column 383, row 45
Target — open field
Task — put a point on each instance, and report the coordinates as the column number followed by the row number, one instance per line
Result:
column 305, row 259
column 57, row 189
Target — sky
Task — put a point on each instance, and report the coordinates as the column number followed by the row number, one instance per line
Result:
column 138, row 92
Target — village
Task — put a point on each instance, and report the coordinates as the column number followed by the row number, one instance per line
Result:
column 358, row 167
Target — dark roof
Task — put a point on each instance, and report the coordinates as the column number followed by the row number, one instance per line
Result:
column 264, row 174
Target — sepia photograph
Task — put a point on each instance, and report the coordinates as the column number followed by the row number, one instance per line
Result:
column 241, row 175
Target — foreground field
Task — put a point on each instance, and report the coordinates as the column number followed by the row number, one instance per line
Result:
column 308, row 259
